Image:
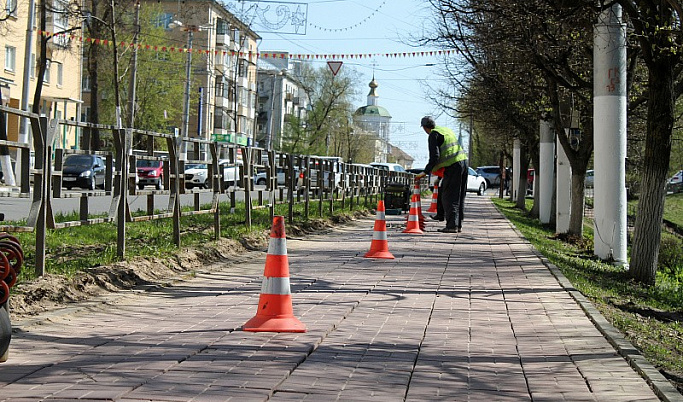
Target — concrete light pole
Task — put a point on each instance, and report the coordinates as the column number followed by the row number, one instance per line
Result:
column 279, row 76
column 23, row 121
column 609, row 133
column 190, row 29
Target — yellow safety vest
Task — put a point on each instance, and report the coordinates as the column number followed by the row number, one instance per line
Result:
column 450, row 151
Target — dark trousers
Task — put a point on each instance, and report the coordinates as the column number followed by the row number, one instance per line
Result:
column 439, row 201
column 454, row 188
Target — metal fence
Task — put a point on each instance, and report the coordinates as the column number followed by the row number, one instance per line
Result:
column 314, row 181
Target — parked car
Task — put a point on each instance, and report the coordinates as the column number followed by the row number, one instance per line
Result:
column 196, row 175
column 392, row 167
column 260, row 178
column 151, row 173
column 491, row 174
column 590, row 176
column 476, row 183
column 326, row 176
column 530, row 175
column 2, row 176
column 84, row 171
column 675, row 183
column 229, row 173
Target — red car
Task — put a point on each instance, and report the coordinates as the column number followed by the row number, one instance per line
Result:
column 150, row 173
column 530, row 174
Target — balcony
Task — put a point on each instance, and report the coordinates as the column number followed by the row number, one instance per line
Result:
column 60, row 41
column 220, row 61
column 221, row 102
column 222, row 39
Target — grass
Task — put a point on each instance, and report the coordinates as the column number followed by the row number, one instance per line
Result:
column 74, row 249
column 649, row 316
column 673, row 209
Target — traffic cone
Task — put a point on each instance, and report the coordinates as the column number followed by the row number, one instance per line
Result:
column 420, row 216
column 379, row 248
column 275, row 313
column 413, row 224
column 435, row 197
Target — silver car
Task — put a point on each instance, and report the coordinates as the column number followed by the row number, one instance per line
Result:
column 491, row 174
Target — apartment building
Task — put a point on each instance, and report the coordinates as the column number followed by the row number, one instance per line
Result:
column 227, row 77
column 281, row 97
column 61, row 93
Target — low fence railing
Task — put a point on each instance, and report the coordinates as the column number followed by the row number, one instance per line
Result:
column 231, row 173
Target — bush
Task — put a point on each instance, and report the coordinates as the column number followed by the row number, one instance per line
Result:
column 671, row 256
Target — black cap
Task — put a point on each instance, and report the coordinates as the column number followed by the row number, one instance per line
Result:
column 428, row 122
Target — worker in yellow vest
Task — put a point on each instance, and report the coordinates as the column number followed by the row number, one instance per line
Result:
column 446, row 152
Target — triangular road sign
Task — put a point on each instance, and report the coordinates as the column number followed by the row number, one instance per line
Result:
column 334, row 66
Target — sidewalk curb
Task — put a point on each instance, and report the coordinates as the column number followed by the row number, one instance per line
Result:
column 660, row 385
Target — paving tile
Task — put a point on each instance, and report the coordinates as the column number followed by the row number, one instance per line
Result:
column 472, row 317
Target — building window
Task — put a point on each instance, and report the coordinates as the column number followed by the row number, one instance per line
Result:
column 163, row 20
column 85, row 114
column 11, row 8
column 222, row 27
column 46, row 77
column 60, row 74
column 10, row 58
column 61, row 16
column 85, row 83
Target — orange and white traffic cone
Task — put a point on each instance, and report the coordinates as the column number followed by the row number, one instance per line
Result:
column 413, row 224
column 420, row 216
column 379, row 248
column 435, row 198
column 275, row 313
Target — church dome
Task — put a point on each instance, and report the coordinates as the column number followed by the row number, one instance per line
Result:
column 372, row 110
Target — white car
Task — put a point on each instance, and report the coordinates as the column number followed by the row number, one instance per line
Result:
column 476, row 183
column 589, row 179
column 392, row 167
column 196, row 175
column 675, row 183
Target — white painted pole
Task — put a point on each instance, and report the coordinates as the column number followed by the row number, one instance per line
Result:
column 516, row 166
column 609, row 135
column 546, row 171
column 564, row 191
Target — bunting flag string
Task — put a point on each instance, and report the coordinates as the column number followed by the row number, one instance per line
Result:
column 252, row 55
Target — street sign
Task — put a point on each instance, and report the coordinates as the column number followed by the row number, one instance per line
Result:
column 334, row 66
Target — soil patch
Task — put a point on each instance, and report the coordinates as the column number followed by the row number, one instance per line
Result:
column 51, row 292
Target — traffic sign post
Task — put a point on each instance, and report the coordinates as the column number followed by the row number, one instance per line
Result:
column 334, row 66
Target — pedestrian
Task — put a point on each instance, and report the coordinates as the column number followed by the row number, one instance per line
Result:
column 446, row 152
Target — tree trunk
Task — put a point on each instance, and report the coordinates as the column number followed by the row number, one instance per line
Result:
column 660, row 112
column 521, row 178
column 535, row 158
column 576, row 216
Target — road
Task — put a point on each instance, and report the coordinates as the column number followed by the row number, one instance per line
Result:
column 17, row 208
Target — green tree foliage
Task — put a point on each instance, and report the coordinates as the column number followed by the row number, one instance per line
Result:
column 519, row 63
column 160, row 74
column 327, row 123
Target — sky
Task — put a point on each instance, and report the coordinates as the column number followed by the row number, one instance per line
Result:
column 367, row 27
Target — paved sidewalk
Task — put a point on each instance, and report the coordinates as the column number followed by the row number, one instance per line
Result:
column 470, row 317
